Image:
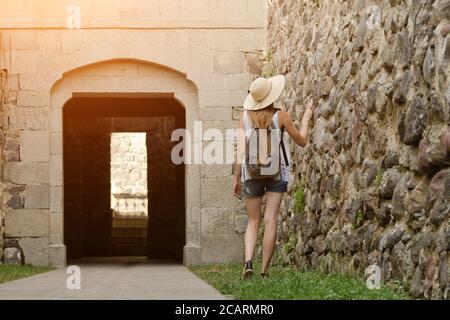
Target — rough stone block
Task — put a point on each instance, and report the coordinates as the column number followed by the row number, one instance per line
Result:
column 33, row 99
column 12, row 84
column 56, row 170
column 74, row 39
column 245, row 40
column 223, row 127
column 217, row 221
column 222, row 81
column 37, row 197
column 56, row 199
column 193, row 226
column 36, row 251
column 23, row 40
column 105, row 10
column 23, row 61
column 16, row 196
column 178, row 10
column 27, row 173
column 222, row 248
column 56, row 225
column 13, row 256
column 224, row 98
column 241, row 223
column 27, row 223
column 216, row 113
column 216, row 170
column 29, row 118
column 414, row 123
column 56, row 238
column 254, row 62
column 58, row 255
column 216, row 192
column 36, row 82
column 192, row 255
column 35, row 146
column 56, row 120
column 229, row 62
column 389, row 181
column 49, row 41
column 16, row 202
column 56, row 147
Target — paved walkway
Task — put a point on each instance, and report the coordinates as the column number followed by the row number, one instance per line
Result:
column 123, row 278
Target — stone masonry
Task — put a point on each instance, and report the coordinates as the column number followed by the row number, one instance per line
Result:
column 371, row 188
column 129, row 174
column 203, row 53
column 373, row 185
column 2, row 214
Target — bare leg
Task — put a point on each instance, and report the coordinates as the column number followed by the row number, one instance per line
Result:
column 273, row 202
column 251, row 234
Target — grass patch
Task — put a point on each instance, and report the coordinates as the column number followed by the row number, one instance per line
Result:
column 299, row 198
column 358, row 219
column 10, row 273
column 291, row 284
column 378, row 178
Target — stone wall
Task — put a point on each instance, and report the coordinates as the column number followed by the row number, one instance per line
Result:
column 11, row 196
column 2, row 217
column 202, row 53
column 373, row 185
column 129, row 174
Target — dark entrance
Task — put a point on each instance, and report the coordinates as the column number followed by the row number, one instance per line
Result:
column 89, row 227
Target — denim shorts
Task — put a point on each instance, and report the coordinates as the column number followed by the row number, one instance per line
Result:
column 255, row 188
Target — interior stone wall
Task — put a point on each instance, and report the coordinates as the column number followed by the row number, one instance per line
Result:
column 129, row 174
column 87, row 201
column 373, row 185
column 2, row 217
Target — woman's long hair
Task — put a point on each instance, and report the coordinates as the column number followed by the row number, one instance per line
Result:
column 262, row 118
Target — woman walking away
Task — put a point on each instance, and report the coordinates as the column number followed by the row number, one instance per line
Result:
column 263, row 163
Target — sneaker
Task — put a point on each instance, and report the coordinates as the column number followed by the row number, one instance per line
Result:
column 264, row 275
column 248, row 270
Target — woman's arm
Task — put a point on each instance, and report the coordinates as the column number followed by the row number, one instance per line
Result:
column 299, row 136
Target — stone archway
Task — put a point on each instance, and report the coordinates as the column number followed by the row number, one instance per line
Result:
column 120, row 78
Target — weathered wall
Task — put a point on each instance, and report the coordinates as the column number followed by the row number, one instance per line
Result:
column 129, row 174
column 2, row 217
column 205, row 53
column 376, row 174
column 134, row 13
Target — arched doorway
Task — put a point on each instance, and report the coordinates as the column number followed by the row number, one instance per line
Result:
column 93, row 225
column 123, row 89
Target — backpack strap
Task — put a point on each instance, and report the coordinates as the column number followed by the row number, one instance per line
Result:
column 275, row 120
column 283, row 148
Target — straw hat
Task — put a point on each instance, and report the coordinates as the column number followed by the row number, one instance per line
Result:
column 264, row 92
